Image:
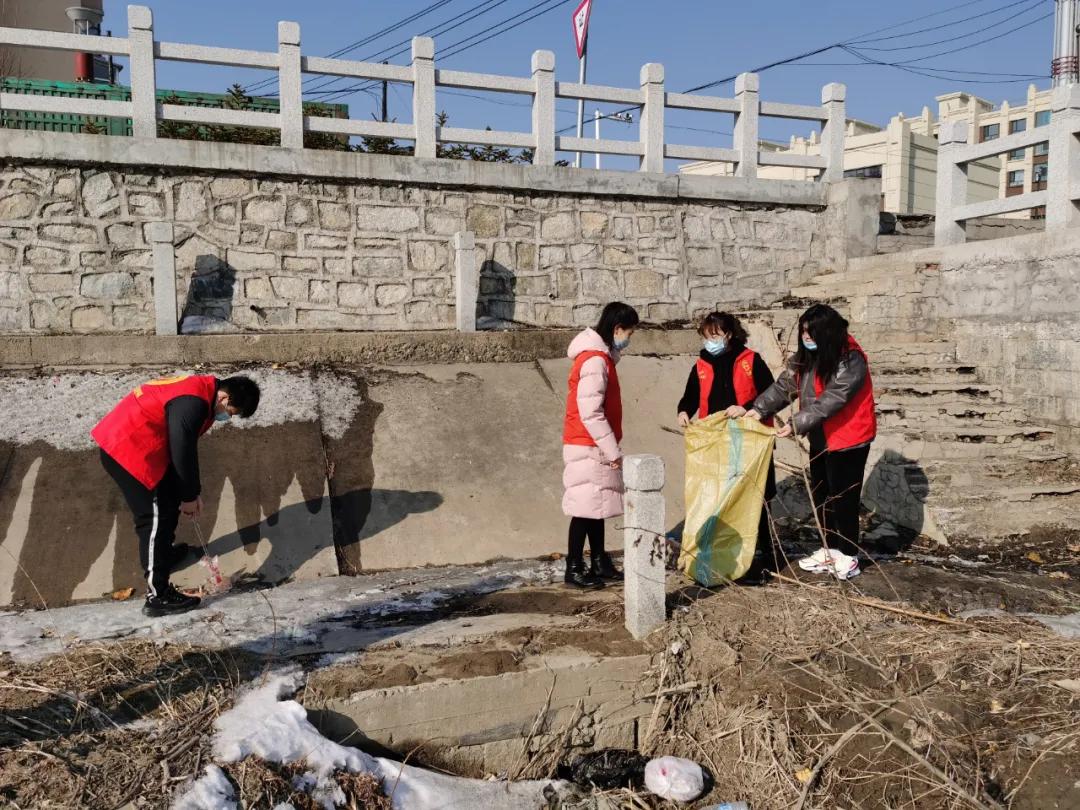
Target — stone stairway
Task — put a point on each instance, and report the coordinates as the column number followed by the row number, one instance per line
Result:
column 953, row 458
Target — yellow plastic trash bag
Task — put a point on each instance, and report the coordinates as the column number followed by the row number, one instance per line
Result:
column 727, row 463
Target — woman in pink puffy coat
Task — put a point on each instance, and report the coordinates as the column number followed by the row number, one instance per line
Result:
column 592, row 430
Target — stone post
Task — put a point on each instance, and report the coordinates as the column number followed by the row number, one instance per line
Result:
column 643, row 560
column 952, row 182
column 423, row 65
column 746, row 124
column 466, row 281
column 165, row 312
column 652, row 117
column 1061, row 210
column 543, row 110
column 833, row 131
column 290, row 94
column 143, row 72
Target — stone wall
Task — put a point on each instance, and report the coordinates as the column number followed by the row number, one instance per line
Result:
column 1012, row 307
column 288, row 253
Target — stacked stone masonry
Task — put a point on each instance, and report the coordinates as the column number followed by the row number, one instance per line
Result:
column 269, row 255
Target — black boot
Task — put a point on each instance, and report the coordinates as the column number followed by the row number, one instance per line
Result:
column 169, row 602
column 578, row 577
column 603, row 567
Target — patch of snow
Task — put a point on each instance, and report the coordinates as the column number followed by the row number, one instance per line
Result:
column 262, row 724
column 212, row 791
column 1067, row 626
column 310, row 617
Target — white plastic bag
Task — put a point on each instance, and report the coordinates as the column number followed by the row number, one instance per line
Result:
column 674, row 778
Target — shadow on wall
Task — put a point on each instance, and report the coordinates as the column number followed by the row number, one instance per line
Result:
column 62, row 509
column 897, row 489
column 209, row 304
column 498, row 292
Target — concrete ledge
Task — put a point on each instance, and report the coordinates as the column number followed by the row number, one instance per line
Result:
column 365, row 348
column 613, row 692
column 310, row 164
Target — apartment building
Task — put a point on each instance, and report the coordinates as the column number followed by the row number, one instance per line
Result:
column 904, row 153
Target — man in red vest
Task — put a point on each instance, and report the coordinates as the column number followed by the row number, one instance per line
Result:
column 149, row 445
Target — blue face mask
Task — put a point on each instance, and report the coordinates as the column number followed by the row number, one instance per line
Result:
column 620, row 345
column 222, row 417
column 809, row 345
column 715, row 346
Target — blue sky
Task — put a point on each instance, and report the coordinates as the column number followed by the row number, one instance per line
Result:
column 697, row 42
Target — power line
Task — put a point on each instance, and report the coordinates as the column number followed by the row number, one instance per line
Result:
column 939, row 27
column 403, row 47
column 980, row 42
column 843, row 45
column 1031, row 6
column 557, row 4
column 499, row 25
column 371, row 38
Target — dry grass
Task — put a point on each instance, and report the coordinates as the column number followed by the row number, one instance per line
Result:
column 102, row 725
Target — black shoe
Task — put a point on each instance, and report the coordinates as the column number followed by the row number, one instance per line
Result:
column 172, row 601
column 604, row 568
column 182, row 555
column 578, row 577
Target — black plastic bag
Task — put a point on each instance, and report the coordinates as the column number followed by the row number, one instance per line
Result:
column 607, row 769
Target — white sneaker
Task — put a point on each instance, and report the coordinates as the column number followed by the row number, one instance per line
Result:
column 845, row 567
column 819, row 561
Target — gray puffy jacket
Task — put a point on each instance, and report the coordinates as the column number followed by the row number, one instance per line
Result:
column 850, row 377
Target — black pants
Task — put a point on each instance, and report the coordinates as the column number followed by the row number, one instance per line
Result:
column 156, row 514
column 836, row 480
column 580, row 528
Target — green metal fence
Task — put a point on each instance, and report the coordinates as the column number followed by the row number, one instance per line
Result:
column 56, row 122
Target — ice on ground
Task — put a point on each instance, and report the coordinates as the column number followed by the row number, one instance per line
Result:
column 211, row 791
column 312, row 617
column 1067, row 626
column 264, row 725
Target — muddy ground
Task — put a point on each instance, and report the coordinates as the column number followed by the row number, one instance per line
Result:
column 877, row 693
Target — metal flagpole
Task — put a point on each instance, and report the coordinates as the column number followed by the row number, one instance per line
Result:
column 582, row 62
column 580, row 21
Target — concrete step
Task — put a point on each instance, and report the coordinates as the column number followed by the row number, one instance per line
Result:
column 902, row 385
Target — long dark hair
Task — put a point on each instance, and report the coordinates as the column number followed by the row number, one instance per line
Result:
column 829, row 331
column 616, row 314
column 723, row 322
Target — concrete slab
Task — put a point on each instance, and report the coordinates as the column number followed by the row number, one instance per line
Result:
column 475, row 711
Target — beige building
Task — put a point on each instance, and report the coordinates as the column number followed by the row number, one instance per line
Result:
column 904, row 154
column 49, row 15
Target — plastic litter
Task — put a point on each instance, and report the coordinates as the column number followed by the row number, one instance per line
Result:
column 675, row 778
column 216, row 582
column 729, row 806
column 608, row 769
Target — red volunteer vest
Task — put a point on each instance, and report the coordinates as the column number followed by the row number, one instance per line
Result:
column 134, row 433
column 742, row 379
column 574, row 431
column 856, row 422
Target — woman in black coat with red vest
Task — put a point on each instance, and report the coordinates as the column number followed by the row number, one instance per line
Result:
column 728, row 377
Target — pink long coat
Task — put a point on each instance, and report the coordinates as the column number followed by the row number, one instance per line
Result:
column 592, row 488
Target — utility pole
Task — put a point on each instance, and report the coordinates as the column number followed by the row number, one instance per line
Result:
column 384, row 85
column 596, row 133
column 1065, row 67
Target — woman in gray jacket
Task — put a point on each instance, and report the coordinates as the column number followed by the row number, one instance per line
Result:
column 830, row 374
